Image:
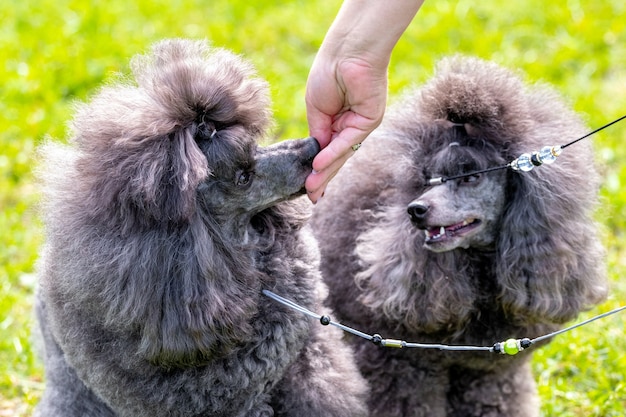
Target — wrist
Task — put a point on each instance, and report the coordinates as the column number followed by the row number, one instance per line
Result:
column 369, row 29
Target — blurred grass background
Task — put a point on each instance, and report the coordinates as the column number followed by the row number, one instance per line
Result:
column 55, row 52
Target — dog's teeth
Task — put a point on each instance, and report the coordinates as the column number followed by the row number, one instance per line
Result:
column 432, row 233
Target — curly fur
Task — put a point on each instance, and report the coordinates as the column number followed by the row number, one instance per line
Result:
column 164, row 222
column 531, row 263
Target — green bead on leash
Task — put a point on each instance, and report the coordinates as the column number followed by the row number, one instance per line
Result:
column 512, row 346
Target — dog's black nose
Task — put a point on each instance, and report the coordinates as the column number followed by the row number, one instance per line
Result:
column 417, row 210
column 312, row 147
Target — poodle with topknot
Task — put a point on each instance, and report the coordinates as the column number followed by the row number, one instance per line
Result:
column 471, row 261
column 165, row 222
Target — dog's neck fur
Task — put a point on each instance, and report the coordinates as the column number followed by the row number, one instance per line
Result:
column 398, row 287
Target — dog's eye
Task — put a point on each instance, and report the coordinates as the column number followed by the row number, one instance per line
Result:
column 470, row 179
column 243, row 178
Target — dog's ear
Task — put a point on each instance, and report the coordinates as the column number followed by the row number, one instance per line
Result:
column 204, row 307
column 549, row 255
column 166, row 176
column 188, row 297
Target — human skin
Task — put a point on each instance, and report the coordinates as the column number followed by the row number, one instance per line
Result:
column 346, row 92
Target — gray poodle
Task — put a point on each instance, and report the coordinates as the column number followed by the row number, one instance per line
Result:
column 477, row 259
column 164, row 223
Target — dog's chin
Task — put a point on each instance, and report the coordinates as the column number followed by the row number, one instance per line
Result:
column 273, row 203
column 302, row 191
column 446, row 245
column 288, row 197
column 259, row 220
column 275, row 200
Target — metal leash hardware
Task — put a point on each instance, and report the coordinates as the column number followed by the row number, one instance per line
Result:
column 526, row 161
column 507, row 347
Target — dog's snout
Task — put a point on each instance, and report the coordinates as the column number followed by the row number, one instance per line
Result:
column 417, row 210
column 282, row 168
column 302, row 150
column 311, row 148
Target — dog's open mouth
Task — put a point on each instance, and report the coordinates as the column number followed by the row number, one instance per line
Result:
column 440, row 233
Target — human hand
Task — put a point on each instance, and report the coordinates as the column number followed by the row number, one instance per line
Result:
column 345, row 102
column 346, row 90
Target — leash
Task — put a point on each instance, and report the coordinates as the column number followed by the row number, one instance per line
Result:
column 526, row 161
column 507, row 347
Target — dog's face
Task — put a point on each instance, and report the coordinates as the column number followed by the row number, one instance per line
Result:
column 182, row 144
column 462, row 213
column 246, row 179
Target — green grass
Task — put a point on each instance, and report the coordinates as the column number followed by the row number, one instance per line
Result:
column 57, row 52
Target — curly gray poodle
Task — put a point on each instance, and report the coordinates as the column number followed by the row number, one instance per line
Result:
column 165, row 221
column 472, row 261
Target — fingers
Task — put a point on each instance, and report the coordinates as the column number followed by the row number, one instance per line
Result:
column 324, row 101
column 319, row 127
column 330, row 160
column 317, row 182
column 339, row 148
